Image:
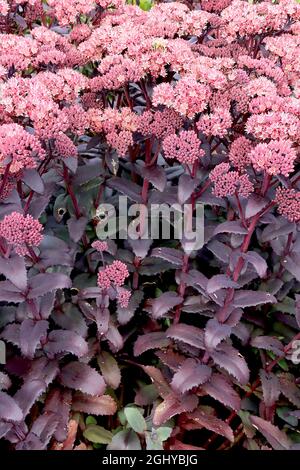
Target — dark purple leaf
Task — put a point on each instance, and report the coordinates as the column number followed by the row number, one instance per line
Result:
column 47, row 282
column 11, row 333
column 5, row 428
column 43, row 369
column 99, row 406
column 278, row 439
column 159, row 381
column 251, row 298
column 290, row 389
column 65, row 341
column 114, row 337
column 270, row 387
column 140, row 247
column 40, row 434
column 191, row 374
column 230, row 227
column 82, row 377
column 229, row 359
column 215, row 332
column 171, row 255
column 70, row 319
column 257, row 261
column 130, row 189
column 277, row 229
column 209, row 421
column 154, row 340
column 59, row 403
column 10, row 293
column 186, row 186
column 186, row 333
column 242, row 332
column 268, row 343
column 45, row 305
column 14, row 270
column 254, row 205
column 71, row 163
column 33, row 180
column 219, row 388
column 9, row 409
column 27, row 395
column 76, row 227
column 220, row 281
column 172, row 406
column 220, row 250
column 31, row 333
column 156, row 176
column 164, row 303
column 292, row 266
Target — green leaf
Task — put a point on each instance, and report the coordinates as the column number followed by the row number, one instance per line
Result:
column 97, row 434
column 145, row 5
column 122, row 417
column 152, row 443
column 125, row 440
column 90, row 420
column 109, row 369
column 163, row 433
column 135, row 419
column 284, row 413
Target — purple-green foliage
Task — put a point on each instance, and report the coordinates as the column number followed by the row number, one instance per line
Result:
column 200, row 358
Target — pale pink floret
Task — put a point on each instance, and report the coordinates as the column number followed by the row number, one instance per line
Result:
column 160, row 123
column 4, row 7
column 184, row 147
column 123, row 297
column 103, row 280
column 288, row 201
column 114, row 274
column 188, row 97
column 215, row 124
column 117, row 272
column 65, row 147
column 100, row 245
column 21, row 232
column 239, row 152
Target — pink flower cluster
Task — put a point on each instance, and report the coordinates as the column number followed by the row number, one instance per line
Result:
column 64, row 146
column 188, row 97
column 114, row 274
column 275, row 158
column 159, row 123
column 4, row 7
column 123, row 297
column 185, row 147
column 274, row 125
column 100, row 246
column 18, row 148
column 216, row 123
column 239, row 152
column 21, row 232
column 228, row 183
column 288, row 201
